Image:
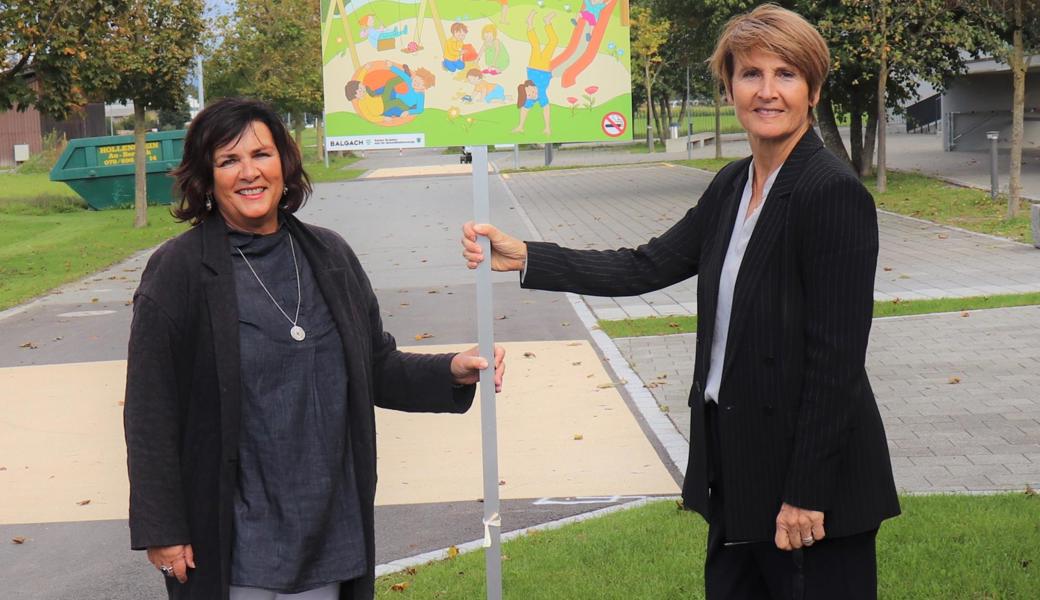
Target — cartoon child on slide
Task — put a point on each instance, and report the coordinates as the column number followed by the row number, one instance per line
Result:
column 590, row 14
column 539, row 73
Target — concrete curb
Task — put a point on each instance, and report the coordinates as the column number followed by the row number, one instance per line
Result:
column 397, row 566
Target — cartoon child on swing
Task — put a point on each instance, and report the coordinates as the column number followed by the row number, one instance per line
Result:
column 539, row 72
column 373, row 32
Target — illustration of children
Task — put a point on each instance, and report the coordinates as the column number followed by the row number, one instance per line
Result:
column 539, row 73
column 453, row 48
column 485, row 90
column 369, row 107
column 590, row 13
column 371, row 31
column 400, row 92
column 493, row 52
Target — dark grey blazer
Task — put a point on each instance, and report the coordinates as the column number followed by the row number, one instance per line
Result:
column 798, row 422
column 183, row 395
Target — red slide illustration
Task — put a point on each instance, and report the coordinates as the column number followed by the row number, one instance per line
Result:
column 570, row 75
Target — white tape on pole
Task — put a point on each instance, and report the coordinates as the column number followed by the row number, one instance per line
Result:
column 488, row 421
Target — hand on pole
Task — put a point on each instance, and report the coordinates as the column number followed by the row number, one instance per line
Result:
column 507, row 252
column 466, row 366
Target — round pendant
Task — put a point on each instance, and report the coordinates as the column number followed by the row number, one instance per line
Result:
column 297, row 333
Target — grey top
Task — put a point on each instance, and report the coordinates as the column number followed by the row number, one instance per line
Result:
column 297, row 513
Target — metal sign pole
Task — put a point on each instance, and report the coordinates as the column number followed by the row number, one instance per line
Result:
column 488, row 420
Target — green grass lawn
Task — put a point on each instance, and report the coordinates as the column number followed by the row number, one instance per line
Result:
column 707, row 164
column 688, row 324
column 48, row 238
column 916, row 195
column 336, row 171
column 942, row 547
column 41, row 252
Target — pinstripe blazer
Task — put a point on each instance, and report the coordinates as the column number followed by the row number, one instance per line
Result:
column 798, row 422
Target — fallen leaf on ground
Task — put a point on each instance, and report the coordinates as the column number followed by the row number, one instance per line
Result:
column 955, row 380
column 432, row 292
column 664, row 408
column 29, row 345
column 453, row 551
column 575, row 364
column 18, row 540
column 574, row 344
column 943, row 236
column 501, row 482
column 887, row 268
column 965, row 313
column 501, row 318
column 83, row 502
column 673, row 324
column 565, row 324
column 400, row 587
column 529, row 355
column 410, row 571
column 423, row 336
column 1030, row 491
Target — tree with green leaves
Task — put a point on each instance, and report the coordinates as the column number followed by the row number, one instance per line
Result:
column 151, row 49
column 271, row 50
column 59, row 44
column 649, row 34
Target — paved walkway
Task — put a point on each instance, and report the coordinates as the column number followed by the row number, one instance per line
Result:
column 957, row 394
column 626, row 206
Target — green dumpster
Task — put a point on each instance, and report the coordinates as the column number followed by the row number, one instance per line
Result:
column 101, row 169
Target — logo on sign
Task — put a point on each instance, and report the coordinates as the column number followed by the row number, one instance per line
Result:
column 614, row 124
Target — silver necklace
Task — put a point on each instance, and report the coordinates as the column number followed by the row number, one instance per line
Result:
column 295, row 331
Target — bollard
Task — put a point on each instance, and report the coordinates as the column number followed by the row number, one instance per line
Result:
column 994, row 179
column 548, row 154
column 689, row 141
column 1034, row 210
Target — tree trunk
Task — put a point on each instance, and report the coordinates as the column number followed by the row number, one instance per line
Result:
column 829, row 126
column 662, row 116
column 298, row 127
column 856, row 138
column 718, row 121
column 1018, row 70
column 140, row 159
column 649, row 111
column 666, row 100
column 868, row 145
column 882, row 113
column 685, row 103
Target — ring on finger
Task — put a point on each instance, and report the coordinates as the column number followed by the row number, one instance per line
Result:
column 808, row 541
column 167, row 570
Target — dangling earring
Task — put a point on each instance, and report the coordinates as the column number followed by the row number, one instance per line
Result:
column 209, row 202
column 285, row 197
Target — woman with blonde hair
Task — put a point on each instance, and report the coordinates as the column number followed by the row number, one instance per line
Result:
column 788, row 460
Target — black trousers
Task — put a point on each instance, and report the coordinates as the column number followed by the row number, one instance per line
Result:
column 833, row 568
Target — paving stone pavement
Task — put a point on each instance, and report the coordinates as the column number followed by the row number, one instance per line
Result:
column 627, row 205
column 979, row 434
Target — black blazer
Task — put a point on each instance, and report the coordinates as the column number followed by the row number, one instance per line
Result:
column 183, row 394
column 798, row 422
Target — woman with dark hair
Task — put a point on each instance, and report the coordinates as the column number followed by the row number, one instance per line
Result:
column 256, row 359
column 788, row 459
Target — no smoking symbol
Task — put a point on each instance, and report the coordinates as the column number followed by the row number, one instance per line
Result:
column 614, row 124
